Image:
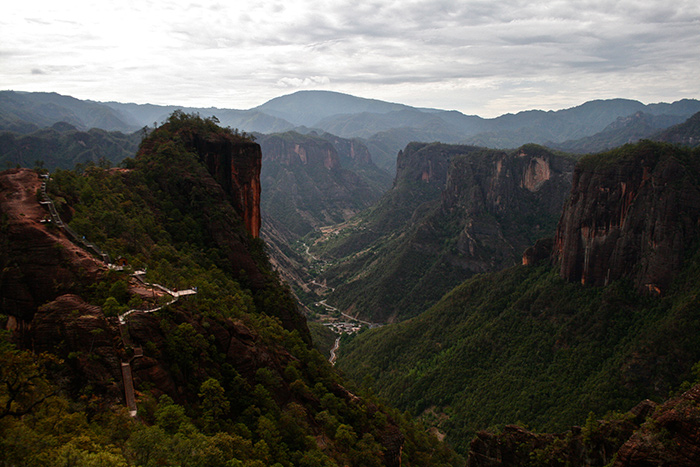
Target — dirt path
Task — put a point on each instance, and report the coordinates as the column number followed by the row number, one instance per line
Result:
column 18, row 189
column 19, row 202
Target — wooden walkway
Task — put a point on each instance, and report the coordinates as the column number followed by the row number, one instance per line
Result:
column 129, row 388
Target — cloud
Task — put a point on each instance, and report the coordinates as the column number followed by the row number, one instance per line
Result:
column 478, row 56
column 311, row 81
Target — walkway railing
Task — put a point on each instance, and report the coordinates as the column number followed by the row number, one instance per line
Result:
column 56, row 219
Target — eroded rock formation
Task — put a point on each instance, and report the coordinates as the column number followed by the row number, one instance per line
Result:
column 670, row 437
column 235, row 165
column 292, row 149
column 507, row 200
column 632, row 213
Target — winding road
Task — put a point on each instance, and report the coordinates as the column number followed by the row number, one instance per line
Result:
column 334, row 356
column 332, row 308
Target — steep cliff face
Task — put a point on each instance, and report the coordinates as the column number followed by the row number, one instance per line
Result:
column 506, row 201
column 427, row 162
column 311, row 181
column 496, row 180
column 293, row 148
column 632, row 214
column 235, row 165
column 351, row 149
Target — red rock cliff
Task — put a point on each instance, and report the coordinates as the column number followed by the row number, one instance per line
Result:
column 295, row 149
column 236, row 167
column 631, row 214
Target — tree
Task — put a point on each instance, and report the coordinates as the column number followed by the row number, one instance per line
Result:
column 170, row 416
column 214, row 403
column 147, row 445
column 345, row 436
column 184, row 345
column 23, row 386
column 111, row 307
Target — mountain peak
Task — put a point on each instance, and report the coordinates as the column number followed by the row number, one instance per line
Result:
column 308, row 107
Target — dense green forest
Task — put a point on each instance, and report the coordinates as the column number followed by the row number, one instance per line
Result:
column 285, row 406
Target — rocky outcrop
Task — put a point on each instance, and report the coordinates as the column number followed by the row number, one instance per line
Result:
column 235, row 165
column 497, row 181
column 541, row 251
column 671, row 436
column 90, row 345
column 506, row 201
column 293, row 148
column 427, row 162
column 350, row 149
column 592, row 445
column 632, row 214
column 232, row 340
column 647, row 436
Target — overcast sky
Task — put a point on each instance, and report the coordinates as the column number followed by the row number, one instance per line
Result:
column 483, row 57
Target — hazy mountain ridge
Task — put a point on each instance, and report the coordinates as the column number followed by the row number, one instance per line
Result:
column 624, row 130
column 686, row 133
column 18, row 109
column 307, row 108
column 244, row 120
column 381, row 123
column 63, row 146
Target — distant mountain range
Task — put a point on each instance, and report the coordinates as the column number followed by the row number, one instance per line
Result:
column 63, row 146
column 384, row 127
